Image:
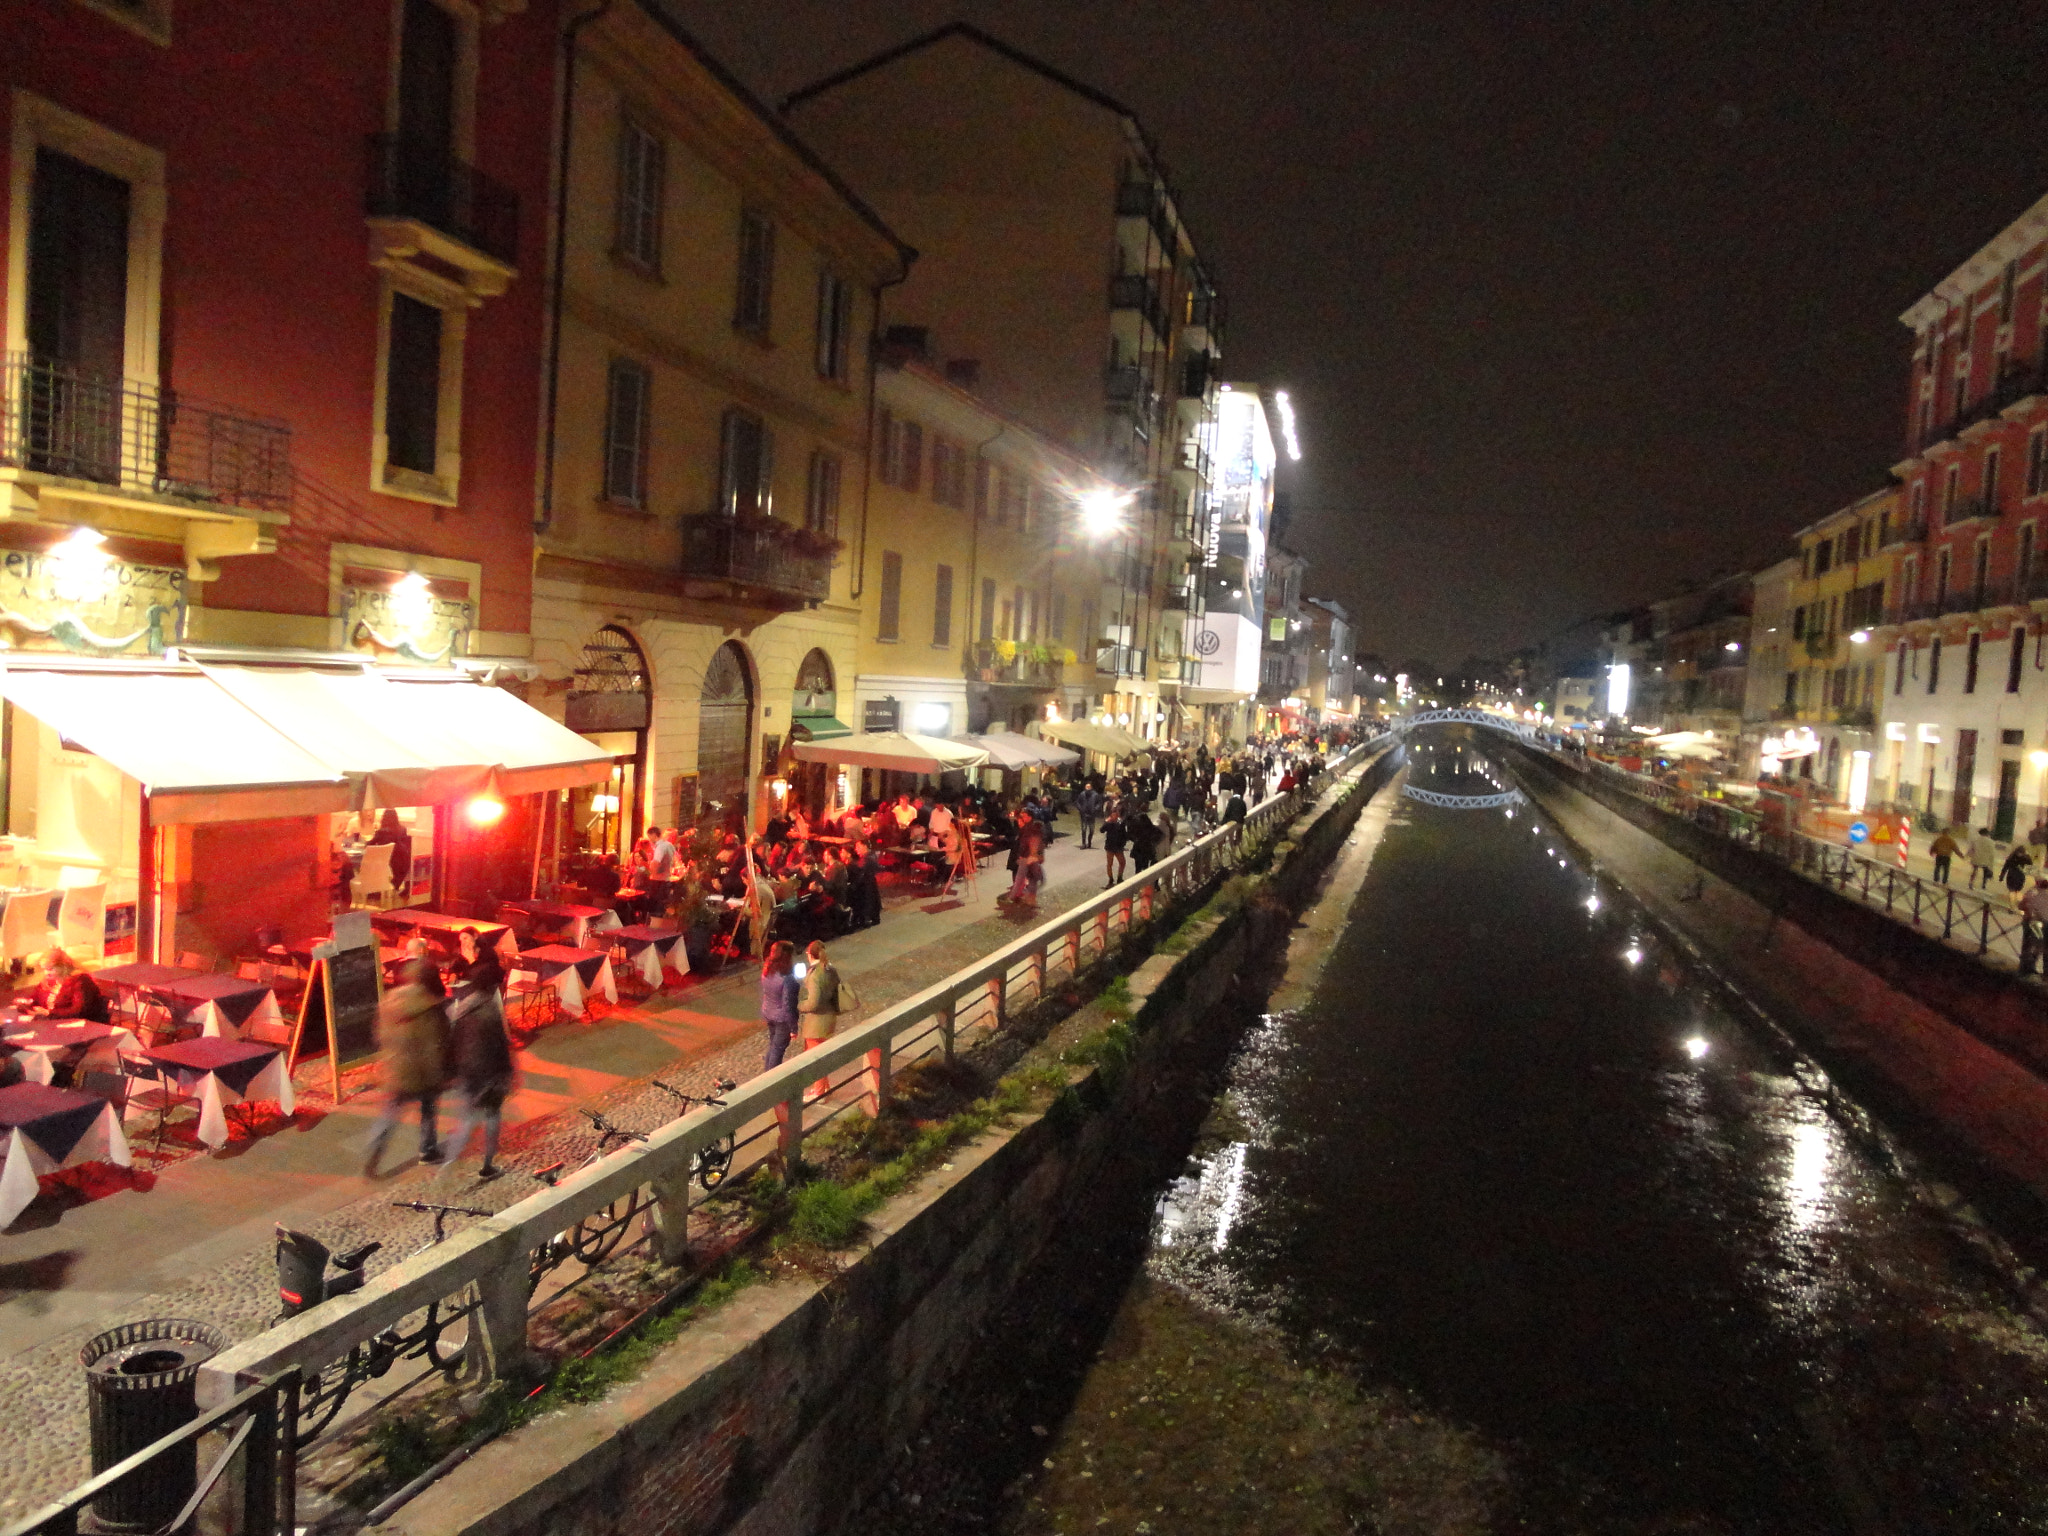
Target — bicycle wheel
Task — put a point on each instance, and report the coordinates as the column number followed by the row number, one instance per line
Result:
column 713, row 1163
column 323, row 1398
column 448, row 1332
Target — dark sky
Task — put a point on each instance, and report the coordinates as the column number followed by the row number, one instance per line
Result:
column 1575, row 301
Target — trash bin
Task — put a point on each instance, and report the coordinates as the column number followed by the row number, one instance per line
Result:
column 139, row 1381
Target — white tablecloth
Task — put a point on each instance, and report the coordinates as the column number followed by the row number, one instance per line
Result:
column 265, row 1026
column 26, row 1162
column 36, row 1060
column 569, row 989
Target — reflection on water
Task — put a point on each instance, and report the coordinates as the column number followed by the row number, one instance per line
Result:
column 1516, row 1157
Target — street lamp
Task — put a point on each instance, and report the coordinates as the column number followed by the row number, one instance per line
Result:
column 1102, row 510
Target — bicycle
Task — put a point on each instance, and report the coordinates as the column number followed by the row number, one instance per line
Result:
column 714, row 1159
column 441, row 1338
column 592, row 1240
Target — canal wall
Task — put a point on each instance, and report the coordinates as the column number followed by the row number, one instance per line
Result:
column 780, row 1412
column 1952, row 1049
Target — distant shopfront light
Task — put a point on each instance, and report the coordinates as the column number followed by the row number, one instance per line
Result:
column 485, row 811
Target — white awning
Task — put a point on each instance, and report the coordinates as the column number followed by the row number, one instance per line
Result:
column 898, row 751
column 1109, row 740
column 199, row 753
column 1008, row 749
column 526, row 751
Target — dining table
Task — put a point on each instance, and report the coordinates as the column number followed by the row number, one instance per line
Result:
column 42, row 1046
column 406, row 922
column 220, row 1072
column 129, row 980
column 229, row 1006
column 46, row 1129
column 573, row 974
column 568, row 919
column 650, row 951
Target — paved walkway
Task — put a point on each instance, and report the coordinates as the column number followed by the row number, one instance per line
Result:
column 196, row 1242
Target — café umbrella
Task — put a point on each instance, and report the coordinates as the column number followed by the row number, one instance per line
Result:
column 894, row 751
column 1686, row 744
column 1008, row 749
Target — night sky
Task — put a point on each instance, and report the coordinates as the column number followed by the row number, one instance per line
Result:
column 1575, row 301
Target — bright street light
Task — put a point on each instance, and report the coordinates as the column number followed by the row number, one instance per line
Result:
column 1102, row 510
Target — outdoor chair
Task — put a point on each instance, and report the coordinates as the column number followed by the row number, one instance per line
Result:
column 372, row 885
column 535, row 1002
column 157, row 1018
column 82, row 920
column 149, row 1090
column 28, row 927
column 192, row 960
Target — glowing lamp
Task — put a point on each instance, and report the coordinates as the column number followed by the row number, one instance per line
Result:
column 1102, row 510
column 485, row 811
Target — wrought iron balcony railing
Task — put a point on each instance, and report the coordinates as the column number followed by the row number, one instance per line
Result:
column 2015, row 382
column 1120, row 660
column 56, row 419
column 1028, row 666
column 1135, row 291
column 409, row 180
column 765, row 558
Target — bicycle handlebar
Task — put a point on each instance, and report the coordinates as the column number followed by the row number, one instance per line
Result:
column 605, row 1127
column 445, row 1210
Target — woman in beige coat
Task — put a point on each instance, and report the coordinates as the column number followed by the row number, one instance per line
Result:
column 412, row 1035
column 818, row 1002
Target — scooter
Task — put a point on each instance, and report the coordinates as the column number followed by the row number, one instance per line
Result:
column 302, row 1277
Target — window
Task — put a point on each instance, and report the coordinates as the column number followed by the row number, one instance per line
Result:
column 1823, row 557
column 412, row 385
column 835, row 326
column 2008, row 284
column 745, row 466
column 1059, row 617
column 1980, row 577
column 1942, row 564
column 2016, row 659
column 942, row 607
column 1951, row 488
column 1934, row 664
column 627, row 413
column 892, row 595
column 756, row 288
column 1899, row 681
column 902, row 453
column 2037, row 461
column 637, row 239
column 1970, row 660
column 1011, row 491
column 1992, row 462
column 2023, row 565
column 949, row 472
column 1919, row 502
column 982, row 470
column 821, row 494
column 987, row 630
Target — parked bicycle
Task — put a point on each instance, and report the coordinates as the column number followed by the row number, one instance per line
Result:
column 593, row 1239
column 440, row 1335
column 714, row 1159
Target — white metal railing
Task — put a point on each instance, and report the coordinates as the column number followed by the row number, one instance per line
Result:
column 495, row 1254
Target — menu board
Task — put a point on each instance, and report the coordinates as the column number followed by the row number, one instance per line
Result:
column 338, row 1018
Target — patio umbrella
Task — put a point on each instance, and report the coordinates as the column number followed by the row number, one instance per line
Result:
column 898, row 751
column 1687, row 744
column 1007, row 749
column 1106, row 739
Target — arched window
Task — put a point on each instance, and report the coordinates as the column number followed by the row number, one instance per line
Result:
column 611, row 690
column 725, row 719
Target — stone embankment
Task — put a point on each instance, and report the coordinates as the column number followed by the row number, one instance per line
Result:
column 780, row 1411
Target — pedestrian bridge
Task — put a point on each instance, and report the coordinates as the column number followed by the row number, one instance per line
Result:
column 1463, row 717
column 1462, row 802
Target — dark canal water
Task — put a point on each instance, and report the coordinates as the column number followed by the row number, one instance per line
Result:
column 1520, row 1159
column 1518, row 1223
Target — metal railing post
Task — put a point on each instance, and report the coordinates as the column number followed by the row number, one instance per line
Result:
column 259, row 1467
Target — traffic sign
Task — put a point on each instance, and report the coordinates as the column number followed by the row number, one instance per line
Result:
column 1859, row 832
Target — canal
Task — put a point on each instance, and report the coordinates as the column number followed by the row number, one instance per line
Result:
column 1513, row 1220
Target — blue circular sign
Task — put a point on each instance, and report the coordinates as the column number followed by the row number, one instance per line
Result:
column 1859, row 832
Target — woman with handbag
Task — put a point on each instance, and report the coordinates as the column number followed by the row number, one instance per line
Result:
column 479, row 1050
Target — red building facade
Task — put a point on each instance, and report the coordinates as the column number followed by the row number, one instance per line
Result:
column 274, row 299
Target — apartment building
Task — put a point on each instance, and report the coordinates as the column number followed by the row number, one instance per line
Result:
column 1770, row 646
column 698, row 579
column 1965, row 685
column 1330, row 641
column 274, row 287
column 1229, row 632
column 978, row 573
column 1054, row 263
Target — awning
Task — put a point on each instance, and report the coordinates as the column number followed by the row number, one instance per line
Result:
column 1105, row 739
column 1008, row 749
column 817, row 728
column 527, row 751
column 897, row 751
column 198, row 752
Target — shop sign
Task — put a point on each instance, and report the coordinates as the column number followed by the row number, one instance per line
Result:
column 409, row 620
column 73, row 598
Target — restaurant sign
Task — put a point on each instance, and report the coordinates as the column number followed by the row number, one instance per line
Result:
column 410, row 619
column 75, row 598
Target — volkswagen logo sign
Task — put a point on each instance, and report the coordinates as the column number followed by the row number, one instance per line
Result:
column 1208, row 643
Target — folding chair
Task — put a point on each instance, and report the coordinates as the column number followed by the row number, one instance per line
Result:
column 537, row 1003
column 149, row 1089
column 157, row 1018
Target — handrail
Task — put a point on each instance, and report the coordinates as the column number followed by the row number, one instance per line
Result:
column 493, row 1253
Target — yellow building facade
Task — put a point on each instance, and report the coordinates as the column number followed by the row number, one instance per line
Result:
column 696, row 585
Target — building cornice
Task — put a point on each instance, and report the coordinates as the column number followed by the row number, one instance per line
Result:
column 1955, row 290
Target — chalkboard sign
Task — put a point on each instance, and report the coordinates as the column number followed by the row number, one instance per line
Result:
column 339, row 1016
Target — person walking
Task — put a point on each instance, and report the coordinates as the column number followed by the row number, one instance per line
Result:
column 778, row 999
column 865, row 882
column 1114, row 840
column 478, row 1050
column 1144, row 843
column 2033, row 914
column 2014, row 871
column 1944, row 848
column 1983, row 859
column 819, row 1002
column 412, row 1039
column 1088, row 806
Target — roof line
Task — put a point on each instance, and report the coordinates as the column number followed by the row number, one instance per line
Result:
column 659, row 14
column 974, row 34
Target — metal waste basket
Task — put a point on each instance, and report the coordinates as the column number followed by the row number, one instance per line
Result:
column 139, row 1381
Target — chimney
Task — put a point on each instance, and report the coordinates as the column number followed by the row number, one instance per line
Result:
column 964, row 371
column 906, row 343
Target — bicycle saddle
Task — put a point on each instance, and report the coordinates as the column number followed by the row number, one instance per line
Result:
column 353, row 1258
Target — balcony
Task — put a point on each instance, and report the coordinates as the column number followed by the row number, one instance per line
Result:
column 2015, row 383
column 1145, row 200
column 69, row 434
column 1904, row 533
column 1119, row 660
column 767, row 563
column 1969, row 509
column 1026, row 666
column 1198, row 374
column 1134, row 291
column 421, row 201
column 1181, row 596
column 1190, row 467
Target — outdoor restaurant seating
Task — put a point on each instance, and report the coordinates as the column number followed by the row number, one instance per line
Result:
column 372, row 880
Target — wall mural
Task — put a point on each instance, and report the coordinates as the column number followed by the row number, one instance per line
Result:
column 74, row 597
column 407, row 621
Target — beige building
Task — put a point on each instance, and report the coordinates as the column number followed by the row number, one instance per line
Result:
column 979, row 581
column 710, row 420
column 1054, row 267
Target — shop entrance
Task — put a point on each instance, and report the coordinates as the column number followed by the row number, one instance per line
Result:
column 725, row 719
column 610, row 705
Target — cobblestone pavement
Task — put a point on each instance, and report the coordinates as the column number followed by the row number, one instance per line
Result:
column 42, row 1391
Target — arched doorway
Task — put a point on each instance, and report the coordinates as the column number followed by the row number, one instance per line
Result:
column 610, row 704
column 725, row 722
column 813, row 715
